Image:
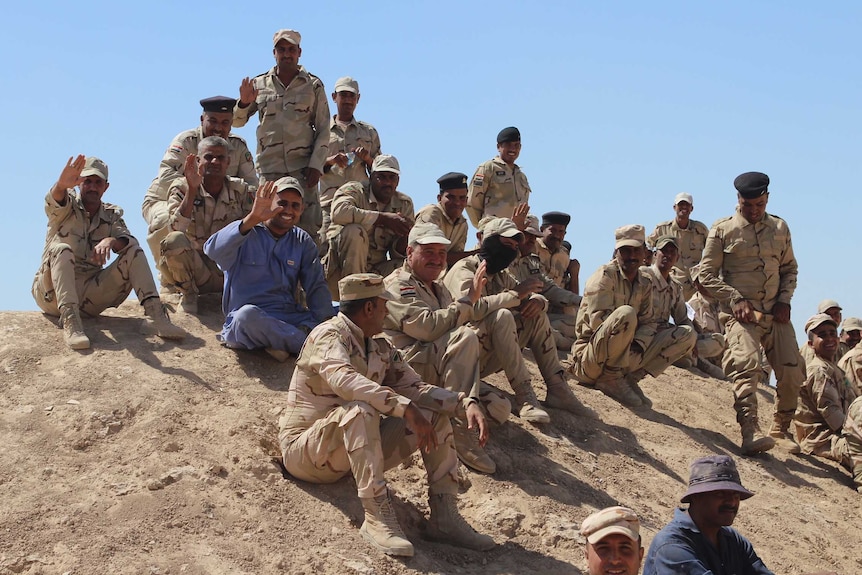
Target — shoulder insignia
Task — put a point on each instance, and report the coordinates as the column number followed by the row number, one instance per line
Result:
column 479, row 179
column 176, row 149
column 408, row 290
column 248, row 156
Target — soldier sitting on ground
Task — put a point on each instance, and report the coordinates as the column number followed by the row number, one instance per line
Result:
column 448, row 214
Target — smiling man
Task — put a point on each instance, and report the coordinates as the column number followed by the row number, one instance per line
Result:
column 690, row 236
column 499, row 188
column 613, row 542
column 448, row 214
column 265, row 257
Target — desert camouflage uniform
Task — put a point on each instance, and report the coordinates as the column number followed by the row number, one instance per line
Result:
column 754, row 262
column 807, row 352
column 851, row 364
column 356, row 244
column 292, row 133
column 182, row 262
column 495, row 190
column 829, row 416
column 554, row 265
column 68, row 275
column 691, row 242
column 455, row 232
column 502, row 330
column 344, row 412
column 668, row 302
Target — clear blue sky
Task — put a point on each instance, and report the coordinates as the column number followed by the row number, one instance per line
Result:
column 621, row 105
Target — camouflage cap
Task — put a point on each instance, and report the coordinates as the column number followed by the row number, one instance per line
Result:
column 609, row 521
column 291, row 36
column 532, row 226
column 851, row 324
column 362, row 286
column 683, row 197
column 95, row 167
column 714, row 473
column 662, row 241
column 347, row 84
column 386, row 163
column 827, row 304
column 632, row 235
column 817, row 320
column 498, row 227
column 423, row 233
column 288, row 183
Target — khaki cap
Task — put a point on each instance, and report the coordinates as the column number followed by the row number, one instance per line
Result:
column 532, row 226
column 817, row 320
column 499, row 227
column 826, row 304
column 683, row 197
column 362, row 286
column 851, row 324
column 386, row 163
column 95, row 167
column 609, row 521
column 347, row 84
column 291, row 36
column 427, row 233
column 288, row 183
column 662, row 241
column 632, row 235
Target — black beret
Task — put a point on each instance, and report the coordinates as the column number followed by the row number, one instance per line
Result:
column 556, row 218
column 751, row 185
column 218, row 104
column 452, row 181
column 510, row 134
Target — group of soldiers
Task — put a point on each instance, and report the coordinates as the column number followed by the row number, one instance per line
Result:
column 398, row 364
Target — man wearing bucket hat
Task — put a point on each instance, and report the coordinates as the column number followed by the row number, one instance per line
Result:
column 613, row 542
column 356, row 407
column 499, row 188
column 828, row 419
column 690, row 236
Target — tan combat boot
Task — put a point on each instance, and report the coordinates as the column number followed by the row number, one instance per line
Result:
column 468, row 449
column 620, row 390
column 73, row 330
column 527, row 405
column 711, row 369
column 632, row 379
column 381, row 527
column 158, row 322
column 753, row 440
column 560, row 396
column 189, row 302
column 448, row 526
column 780, row 432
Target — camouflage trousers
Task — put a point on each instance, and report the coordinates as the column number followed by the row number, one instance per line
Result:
column 355, row 438
column 846, row 447
column 351, row 252
column 156, row 215
column 710, row 345
column 312, row 216
column 563, row 329
column 742, row 363
column 606, row 356
column 57, row 284
column 187, row 269
column 451, row 362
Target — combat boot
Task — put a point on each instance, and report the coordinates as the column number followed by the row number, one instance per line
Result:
column 158, row 322
column 753, row 440
column 189, row 302
column 73, row 330
column 448, row 526
column 468, row 449
column 527, row 405
column 381, row 527
column 632, row 379
column 620, row 390
column 560, row 396
column 711, row 369
column 780, row 432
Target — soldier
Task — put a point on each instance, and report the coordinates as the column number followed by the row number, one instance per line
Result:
column 613, row 542
column 356, row 407
column 562, row 304
column 749, row 267
column 710, row 344
column 555, row 258
column 448, row 214
column 82, row 233
column 353, row 145
column 851, row 334
column 617, row 344
column 851, row 361
column 265, row 257
column 831, row 308
column 513, row 316
column 215, row 121
column 499, row 188
column 828, row 419
column 293, row 115
column 200, row 203
column 370, row 224
column 690, row 235
column 430, row 329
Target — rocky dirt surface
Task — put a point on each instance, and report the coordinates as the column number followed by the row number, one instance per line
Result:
column 146, row 456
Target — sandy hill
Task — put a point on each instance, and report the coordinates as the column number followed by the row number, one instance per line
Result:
column 146, row 456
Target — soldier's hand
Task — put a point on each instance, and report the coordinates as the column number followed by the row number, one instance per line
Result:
column 395, row 222
column 312, row 176
column 247, row 92
column 193, row 174
column 530, row 308
column 480, row 280
column 528, row 286
column 421, row 427
column 102, row 251
column 743, row 311
column 520, row 215
column 339, row 159
column 71, row 174
column 781, row 312
column 476, row 420
column 363, row 154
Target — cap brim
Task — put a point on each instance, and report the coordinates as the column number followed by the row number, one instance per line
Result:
column 660, row 245
column 629, row 243
column 611, row 530
column 93, row 172
column 345, row 89
column 510, row 233
column 433, row 240
column 716, row 486
column 392, row 170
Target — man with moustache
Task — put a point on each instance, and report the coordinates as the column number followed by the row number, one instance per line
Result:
column 215, row 121
column 613, row 542
column 265, row 257
column 690, row 236
column 555, row 258
column 499, row 188
column 370, row 224
column 518, row 320
column 448, row 214
column 293, row 128
column 200, row 203
column 749, row 267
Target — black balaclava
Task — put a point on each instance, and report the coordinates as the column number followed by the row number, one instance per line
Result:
column 496, row 255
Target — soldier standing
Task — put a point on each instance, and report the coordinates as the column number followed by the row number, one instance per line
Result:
column 499, row 188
